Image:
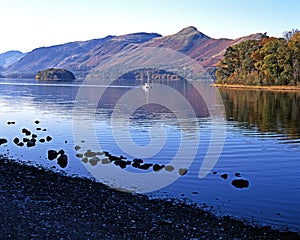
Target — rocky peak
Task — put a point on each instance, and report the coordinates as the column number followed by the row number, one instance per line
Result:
column 191, row 32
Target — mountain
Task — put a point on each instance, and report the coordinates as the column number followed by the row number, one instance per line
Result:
column 10, row 57
column 81, row 57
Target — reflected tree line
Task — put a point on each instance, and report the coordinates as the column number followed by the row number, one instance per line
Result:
column 268, row 111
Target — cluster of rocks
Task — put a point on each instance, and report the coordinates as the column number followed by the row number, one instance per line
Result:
column 238, row 182
column 93, row 159
column 29, row 139
column 60, row 156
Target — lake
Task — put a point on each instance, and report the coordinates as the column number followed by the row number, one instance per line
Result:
column 167, row 127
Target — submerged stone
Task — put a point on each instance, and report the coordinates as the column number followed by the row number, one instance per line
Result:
column 89, row 154
column 182, row 171
column 169, row 168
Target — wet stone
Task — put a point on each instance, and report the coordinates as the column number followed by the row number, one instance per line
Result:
column 34, row 135
column 135, row 164
column 61, row 151
column 237, row 174
column 38, row 129
column 16, row 140
column 20, row 144
column 52, row 154
column 30, row 144
column 85, row 160
column 42, row 140
column 224, row 176
column 145, row 166
column 240, row 183
column 48, row 138
column 3, row 141
column 26, row 132
column 62, row 160
column 36, row 121
column 157, row 167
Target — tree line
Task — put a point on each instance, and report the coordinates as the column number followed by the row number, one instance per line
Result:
column 268, row 61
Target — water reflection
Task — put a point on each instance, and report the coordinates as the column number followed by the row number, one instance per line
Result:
column 267, row 111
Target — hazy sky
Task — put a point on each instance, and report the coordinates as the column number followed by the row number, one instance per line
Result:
column 28, row 24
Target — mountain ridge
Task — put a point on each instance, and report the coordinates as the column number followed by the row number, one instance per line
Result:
column 81, row 57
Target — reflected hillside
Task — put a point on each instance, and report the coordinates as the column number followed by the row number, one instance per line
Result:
column 268, row 111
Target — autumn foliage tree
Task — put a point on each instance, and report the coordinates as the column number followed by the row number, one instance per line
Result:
column 268, row 61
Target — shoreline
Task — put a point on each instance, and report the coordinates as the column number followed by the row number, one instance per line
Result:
column 41, row 204
column 250, row 87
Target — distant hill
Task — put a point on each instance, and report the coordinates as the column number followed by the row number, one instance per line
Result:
column 9, row 58
column 82, row 57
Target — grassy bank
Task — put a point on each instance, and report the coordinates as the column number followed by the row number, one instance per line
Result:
column 269, row 88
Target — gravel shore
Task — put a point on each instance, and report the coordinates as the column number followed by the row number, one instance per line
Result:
column 40, row 204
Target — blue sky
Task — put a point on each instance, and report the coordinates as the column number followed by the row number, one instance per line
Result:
column 29, row 24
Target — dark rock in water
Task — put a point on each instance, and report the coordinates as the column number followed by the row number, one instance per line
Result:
column 48, row 138
column 66, row 141
column 107, row 154
column 113, row 158
column 224, row 176
column 33, row 140
column 62, row 160
column 9, row 123
column 157, row 167
column 38, row 129
column 135, row 164
column 3, row 141
column 44, row 130
column 52, row 154
column 61, row 151
column 26, row 132
column 215, row 173
column 138, row 160
column 182, row 171
column 30, row 144
column 240, row 183
column 237, row 174
column 42, row 140
column 20, row 144
column 34, row 135
column 121, row 163
column 36, row 121
column 16, row 140
column 145, row 166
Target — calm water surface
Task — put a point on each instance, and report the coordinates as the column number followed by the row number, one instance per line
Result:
column 262, row 143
